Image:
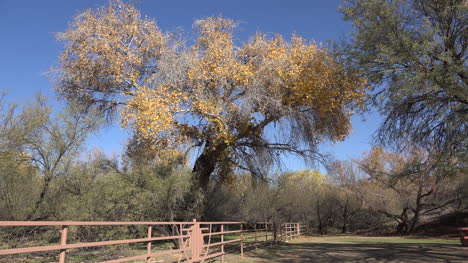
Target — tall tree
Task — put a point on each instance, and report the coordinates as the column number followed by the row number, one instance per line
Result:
column 415, row 54
column 239, row 105
column 53, row 141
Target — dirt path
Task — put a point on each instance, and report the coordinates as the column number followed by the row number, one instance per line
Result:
column 337, row 250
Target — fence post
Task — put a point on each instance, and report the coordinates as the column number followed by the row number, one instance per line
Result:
column 181, row 239
column 242, row 241
column 286, row 232
column 298, row 230
column 222, row 243
column 148, row 246
column 282, row 230
column 266, row 232
column 196, row 241
column 255, row 234
column 63, row 241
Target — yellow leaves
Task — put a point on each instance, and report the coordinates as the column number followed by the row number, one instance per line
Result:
column 151, row 113
column 106, row 48
column 303, row 74
column 168, row 91
column 216, row 55
column 215, row 33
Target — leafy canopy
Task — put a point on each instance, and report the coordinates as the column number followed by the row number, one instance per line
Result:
column 214, row 94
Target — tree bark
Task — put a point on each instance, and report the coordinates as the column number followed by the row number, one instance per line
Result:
column 45, row 189
column 206, row 164
column 417, row 210
column 403, row 226
column 320, row 226
column 344, row 228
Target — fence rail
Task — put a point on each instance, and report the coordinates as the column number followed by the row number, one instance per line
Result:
column 195, row 239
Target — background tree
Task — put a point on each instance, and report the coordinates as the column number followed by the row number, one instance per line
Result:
column 52, row 141
column 408, row 187
column 346, row 178
column 309, row 196
column 42, row 146
column 214, row 95
column 414, row 52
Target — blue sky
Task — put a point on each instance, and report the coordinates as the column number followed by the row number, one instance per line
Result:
column 28, row 47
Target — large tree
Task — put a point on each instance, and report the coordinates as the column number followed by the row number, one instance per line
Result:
column 238, row 105
column 415, row 54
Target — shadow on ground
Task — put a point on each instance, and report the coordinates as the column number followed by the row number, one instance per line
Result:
column 334, row 252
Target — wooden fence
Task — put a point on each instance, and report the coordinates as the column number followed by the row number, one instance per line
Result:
column 197, row 241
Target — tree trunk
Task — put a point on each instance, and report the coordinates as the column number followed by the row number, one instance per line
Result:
column 345, row 218
column 403, row 226
column 45, row 189
column 344, row 228
column 319, row 219
column 275, row 231
column 202, row 171
column 206, row 164
column 417, row 210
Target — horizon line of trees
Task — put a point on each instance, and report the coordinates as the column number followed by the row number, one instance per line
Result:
column 43, row 176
